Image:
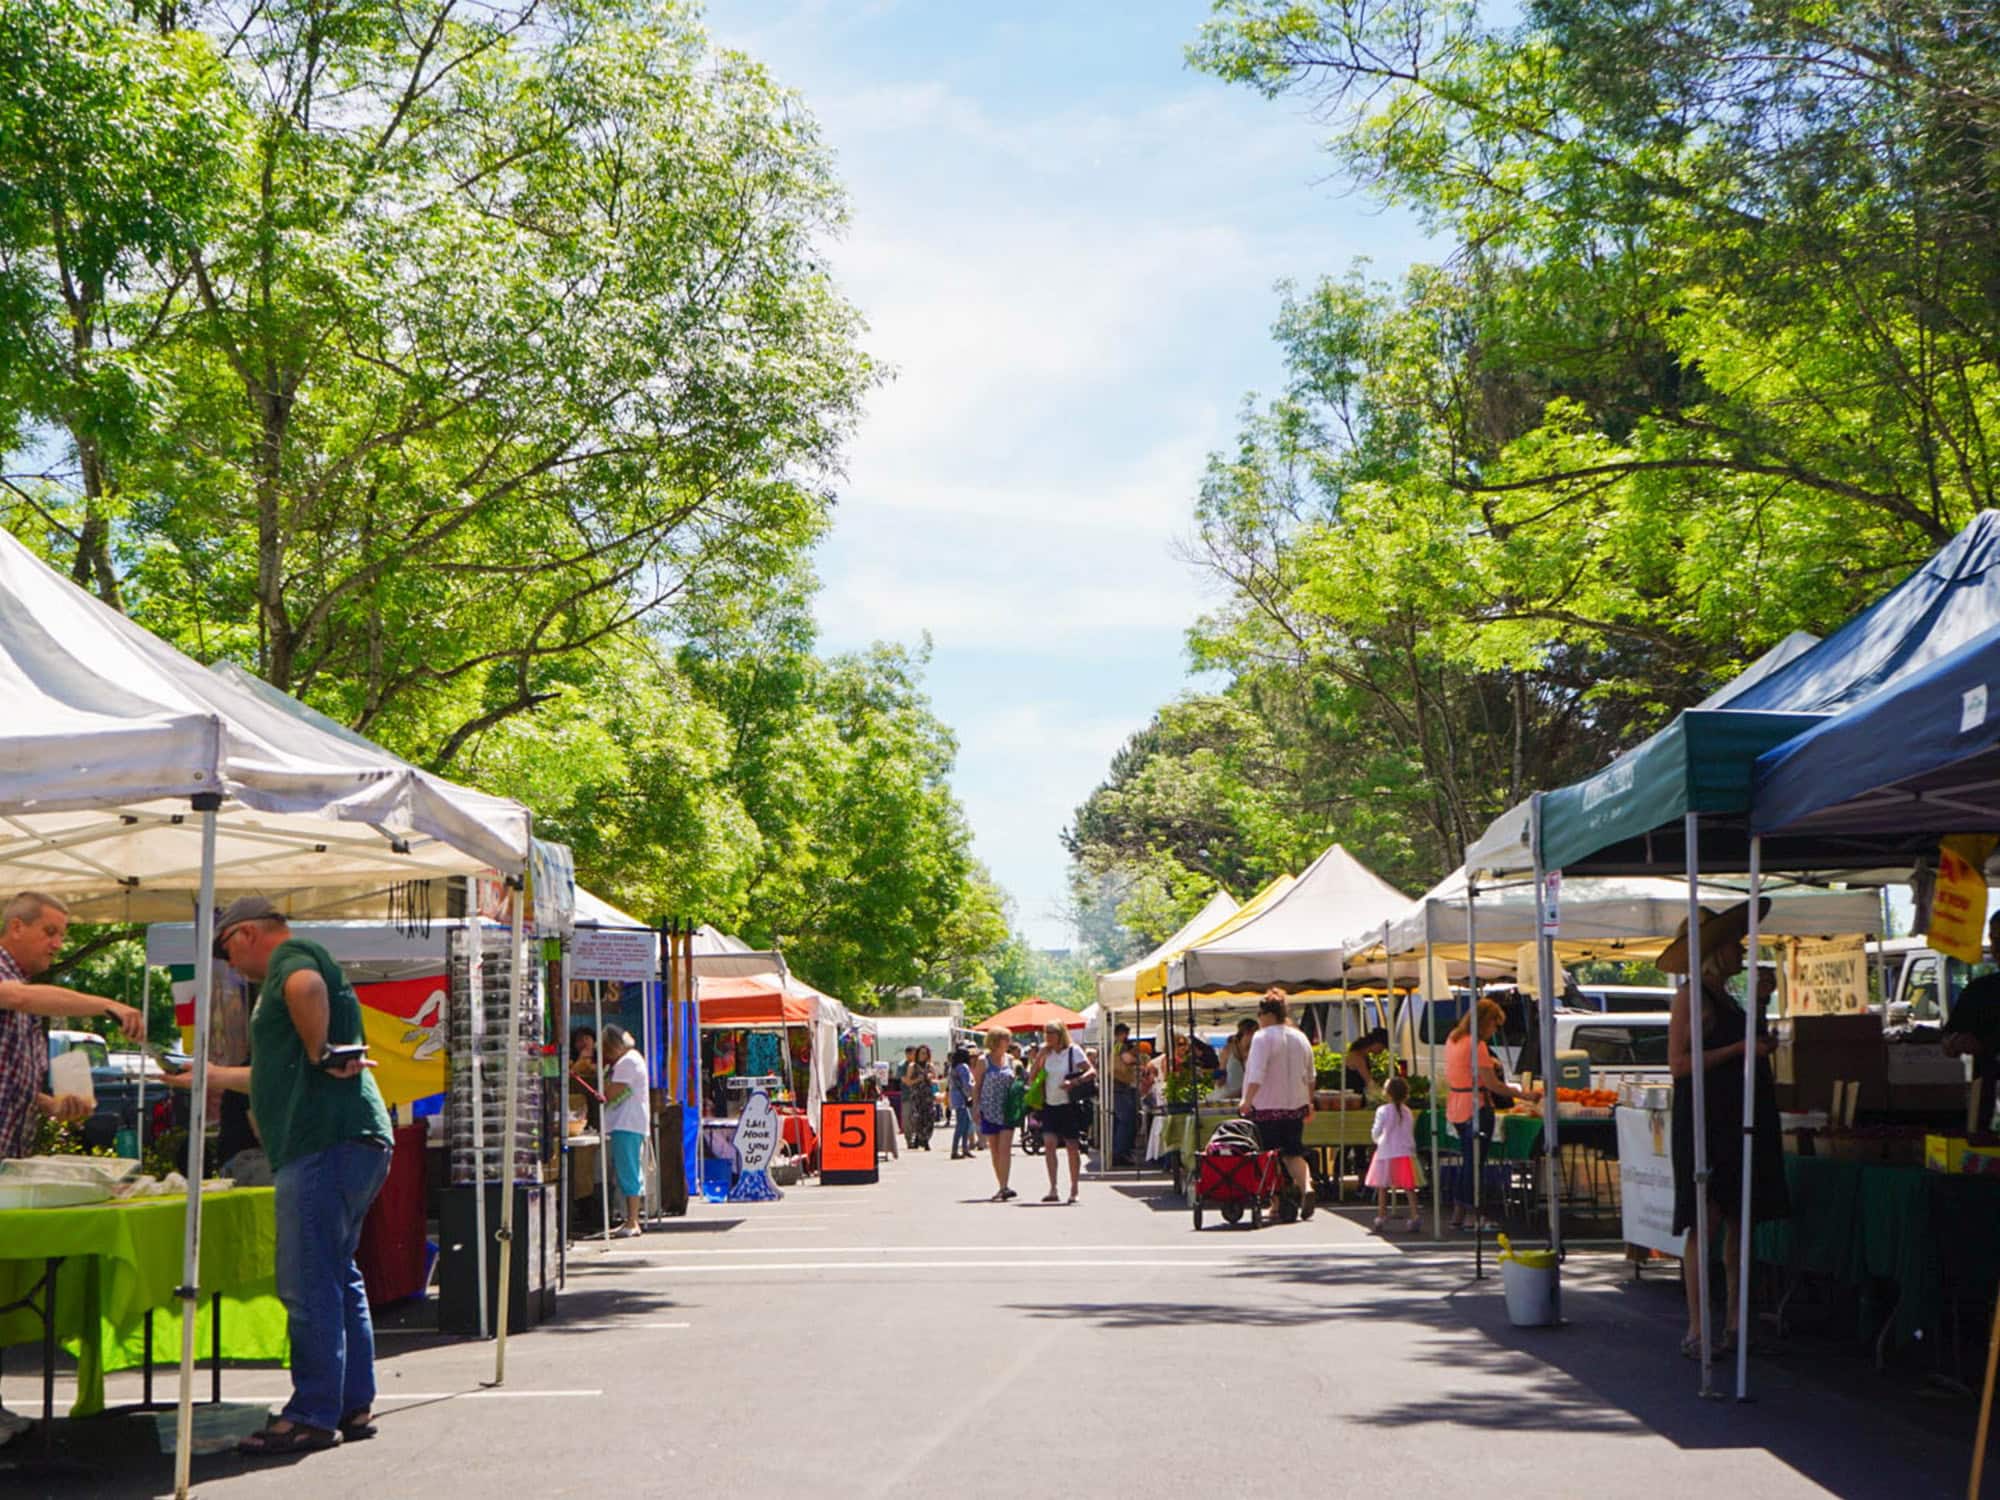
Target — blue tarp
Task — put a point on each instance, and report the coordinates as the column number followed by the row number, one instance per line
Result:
column 1626, row 818
column 1915, row 760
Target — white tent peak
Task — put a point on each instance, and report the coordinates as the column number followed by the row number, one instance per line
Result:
column 1296, row 940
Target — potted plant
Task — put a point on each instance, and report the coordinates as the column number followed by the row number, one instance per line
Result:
column 1329, row 1068
column 1184, row 1089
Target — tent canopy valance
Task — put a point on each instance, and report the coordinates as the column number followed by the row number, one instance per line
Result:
column 1295, row 940
column 752, row 1002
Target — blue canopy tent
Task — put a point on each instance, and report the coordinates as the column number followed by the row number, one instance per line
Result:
column 1919, row 759
column 1681, row 799
column 1883, row 780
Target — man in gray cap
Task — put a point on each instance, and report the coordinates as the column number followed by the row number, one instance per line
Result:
column 327, row 1135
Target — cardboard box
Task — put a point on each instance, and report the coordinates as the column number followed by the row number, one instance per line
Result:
column 1981, row 1161
column 1816, row 1052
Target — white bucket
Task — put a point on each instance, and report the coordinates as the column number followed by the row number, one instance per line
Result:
column 1531, row 1293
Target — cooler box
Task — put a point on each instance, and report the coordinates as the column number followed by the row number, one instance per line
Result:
column 1573, row 1070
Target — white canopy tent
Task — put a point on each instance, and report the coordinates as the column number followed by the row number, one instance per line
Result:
column 1295, row 941
column 1601, row 917
column 136, row 783
column 1117, row 990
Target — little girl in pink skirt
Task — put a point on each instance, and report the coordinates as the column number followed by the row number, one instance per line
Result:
column 1394, row 1167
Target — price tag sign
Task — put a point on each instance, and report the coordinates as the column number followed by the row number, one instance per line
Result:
column 1552, row 888
column 847, row 1144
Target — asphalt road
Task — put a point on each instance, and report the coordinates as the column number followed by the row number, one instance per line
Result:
column 912, row 1338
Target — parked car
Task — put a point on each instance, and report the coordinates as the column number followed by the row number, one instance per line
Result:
column 1617, row 1042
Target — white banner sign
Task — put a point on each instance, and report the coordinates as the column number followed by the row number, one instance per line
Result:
column 1646, row 1179
column 617, row 957
column 1827, row 977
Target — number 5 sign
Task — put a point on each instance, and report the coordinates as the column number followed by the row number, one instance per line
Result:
column 847, row 1144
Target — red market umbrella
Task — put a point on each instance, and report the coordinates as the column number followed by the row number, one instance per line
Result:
column 1032, row 1015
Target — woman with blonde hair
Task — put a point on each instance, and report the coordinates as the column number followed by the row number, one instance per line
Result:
column 992, row 1088
column 1471, row 1086
column 1066, row 1070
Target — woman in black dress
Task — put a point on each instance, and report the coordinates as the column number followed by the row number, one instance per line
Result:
column 1725, row 1031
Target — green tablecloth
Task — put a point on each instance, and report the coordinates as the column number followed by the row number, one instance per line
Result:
column 1855, row 1221
column 122, row 1260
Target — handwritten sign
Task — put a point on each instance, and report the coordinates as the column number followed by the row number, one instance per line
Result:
column 1958, row 909
column 756, row 1139
column 1826, row 977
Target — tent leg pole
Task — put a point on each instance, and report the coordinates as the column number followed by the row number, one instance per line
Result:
column 145, row 1013
column 1545, row 1026
column 603, row 1127
column 1699, row 1102
column 1985, row 1407
column 511, row 1125
column 1753, row 1017
column 1474, row 1158
column 204, row 1007
column 563, row 1170
column 475, row 977
column 1430, row 1031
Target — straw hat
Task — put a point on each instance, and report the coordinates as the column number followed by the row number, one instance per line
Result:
column 1717, row 928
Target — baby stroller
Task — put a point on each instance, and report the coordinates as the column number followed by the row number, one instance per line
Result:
column 1031, row 1132
column 1233, row 1173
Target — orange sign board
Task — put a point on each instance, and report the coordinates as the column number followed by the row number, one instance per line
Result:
column 847, row 1144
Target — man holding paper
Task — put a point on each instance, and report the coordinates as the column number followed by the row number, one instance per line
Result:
column 33, row 928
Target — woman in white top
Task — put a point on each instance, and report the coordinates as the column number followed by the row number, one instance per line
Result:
column 1066, row 1068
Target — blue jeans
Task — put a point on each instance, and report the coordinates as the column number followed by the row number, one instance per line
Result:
column 961, row 1127
column 322, row 1200
column 1124, row 1121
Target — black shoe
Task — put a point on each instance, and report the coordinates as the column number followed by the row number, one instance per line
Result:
column 1307, row 1204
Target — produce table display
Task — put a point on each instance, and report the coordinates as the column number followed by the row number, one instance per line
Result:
column 120, row 1261
column 1934, row 1235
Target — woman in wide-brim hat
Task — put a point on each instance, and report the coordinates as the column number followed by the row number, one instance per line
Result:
column 1726, row 1033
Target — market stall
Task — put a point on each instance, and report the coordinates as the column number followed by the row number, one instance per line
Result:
column 1680, row 800
column 139, row 785
column 771, row 1033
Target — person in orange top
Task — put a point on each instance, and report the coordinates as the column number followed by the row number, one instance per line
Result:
column 1466, row 1097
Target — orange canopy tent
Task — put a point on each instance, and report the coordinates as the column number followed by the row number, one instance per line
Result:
column 1033, row 1014
column 752, row 1001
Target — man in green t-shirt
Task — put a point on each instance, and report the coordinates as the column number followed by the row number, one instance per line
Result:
column 327, row 1133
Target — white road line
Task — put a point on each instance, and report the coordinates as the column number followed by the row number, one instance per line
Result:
column 433, row 1333
column 1012, row 1264
column 393, row 1400
column 1369, row 1248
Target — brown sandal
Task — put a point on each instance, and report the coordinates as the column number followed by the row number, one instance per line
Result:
column 271, row 1443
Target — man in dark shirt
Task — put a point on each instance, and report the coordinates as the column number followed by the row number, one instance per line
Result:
column 1973, row 1030
column 326, row 1132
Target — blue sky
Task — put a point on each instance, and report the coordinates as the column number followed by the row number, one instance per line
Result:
column 1065, row 243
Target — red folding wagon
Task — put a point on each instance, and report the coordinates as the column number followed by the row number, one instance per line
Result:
column 1234, row 1174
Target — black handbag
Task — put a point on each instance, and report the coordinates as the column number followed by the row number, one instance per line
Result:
column 1084, row 1095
